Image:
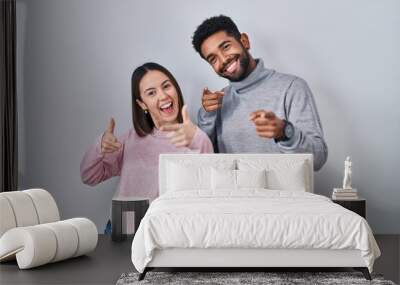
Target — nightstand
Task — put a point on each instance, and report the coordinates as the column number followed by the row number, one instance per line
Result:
column 358, row 206
column 127, row 205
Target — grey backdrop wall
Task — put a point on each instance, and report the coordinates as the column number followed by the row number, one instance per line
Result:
column 75, row 59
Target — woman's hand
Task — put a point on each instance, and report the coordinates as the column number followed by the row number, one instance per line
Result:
column 181, row 134
column 109, row 143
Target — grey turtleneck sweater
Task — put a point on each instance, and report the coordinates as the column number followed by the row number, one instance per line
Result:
column 288, row 96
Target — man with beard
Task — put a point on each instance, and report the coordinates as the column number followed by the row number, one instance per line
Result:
column 261, row 110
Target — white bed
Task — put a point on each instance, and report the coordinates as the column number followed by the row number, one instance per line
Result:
column 227, row 217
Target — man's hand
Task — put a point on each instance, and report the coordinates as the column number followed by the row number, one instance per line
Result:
column 268, row 125
column 109, row 142
column 181, row 134
column 211, row 101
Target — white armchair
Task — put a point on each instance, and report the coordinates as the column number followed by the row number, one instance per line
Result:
column 32, row 233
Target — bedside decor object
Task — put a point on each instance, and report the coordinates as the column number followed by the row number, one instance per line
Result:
column 344, row 194
column 31, row 231
column 347, row 174
column 347, row 192
column 127, row 212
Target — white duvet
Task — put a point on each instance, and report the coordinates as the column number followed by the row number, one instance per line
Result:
column 250, row 219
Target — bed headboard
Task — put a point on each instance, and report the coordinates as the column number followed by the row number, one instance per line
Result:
column 212, row 159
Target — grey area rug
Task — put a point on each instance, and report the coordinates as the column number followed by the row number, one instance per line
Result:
column 231, row 278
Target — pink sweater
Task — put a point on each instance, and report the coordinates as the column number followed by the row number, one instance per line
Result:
column 136, row 161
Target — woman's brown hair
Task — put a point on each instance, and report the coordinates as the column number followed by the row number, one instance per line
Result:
column 142, row 121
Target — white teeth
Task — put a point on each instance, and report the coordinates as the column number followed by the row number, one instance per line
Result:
column 230, row 66
column 166, row 105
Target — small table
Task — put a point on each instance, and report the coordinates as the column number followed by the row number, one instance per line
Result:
column 358, row 206
column 138, row 205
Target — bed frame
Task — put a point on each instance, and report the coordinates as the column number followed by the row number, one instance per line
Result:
column 242, row 259
column 248, row 259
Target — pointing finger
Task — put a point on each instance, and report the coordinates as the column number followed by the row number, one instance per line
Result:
column 210, row 103
column 213, row 108
column 269, row 115
column 210, row 96
column 264, row 121
column 255, row 114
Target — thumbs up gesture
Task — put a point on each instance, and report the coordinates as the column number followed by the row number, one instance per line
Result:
column 109, row 142
column 181, row 134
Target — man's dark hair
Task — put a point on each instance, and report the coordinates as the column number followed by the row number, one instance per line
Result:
column 211, row 26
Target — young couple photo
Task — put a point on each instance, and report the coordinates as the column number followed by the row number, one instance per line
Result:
column 259, row 111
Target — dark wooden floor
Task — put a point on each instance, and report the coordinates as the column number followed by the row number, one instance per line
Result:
column 110, row 260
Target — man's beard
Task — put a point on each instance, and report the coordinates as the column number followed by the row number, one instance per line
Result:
column 244, row 68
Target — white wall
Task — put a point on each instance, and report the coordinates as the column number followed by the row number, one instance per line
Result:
column 76, row 57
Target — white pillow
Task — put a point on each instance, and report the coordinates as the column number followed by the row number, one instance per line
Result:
column 293, row 178
column 223, row 179
column 190, row 177
column 281, row 174
column 186, row 174
column 226, row 179
column 251, row 178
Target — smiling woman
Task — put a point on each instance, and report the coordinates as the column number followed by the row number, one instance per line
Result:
column 158, row 98
column 161, row 125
